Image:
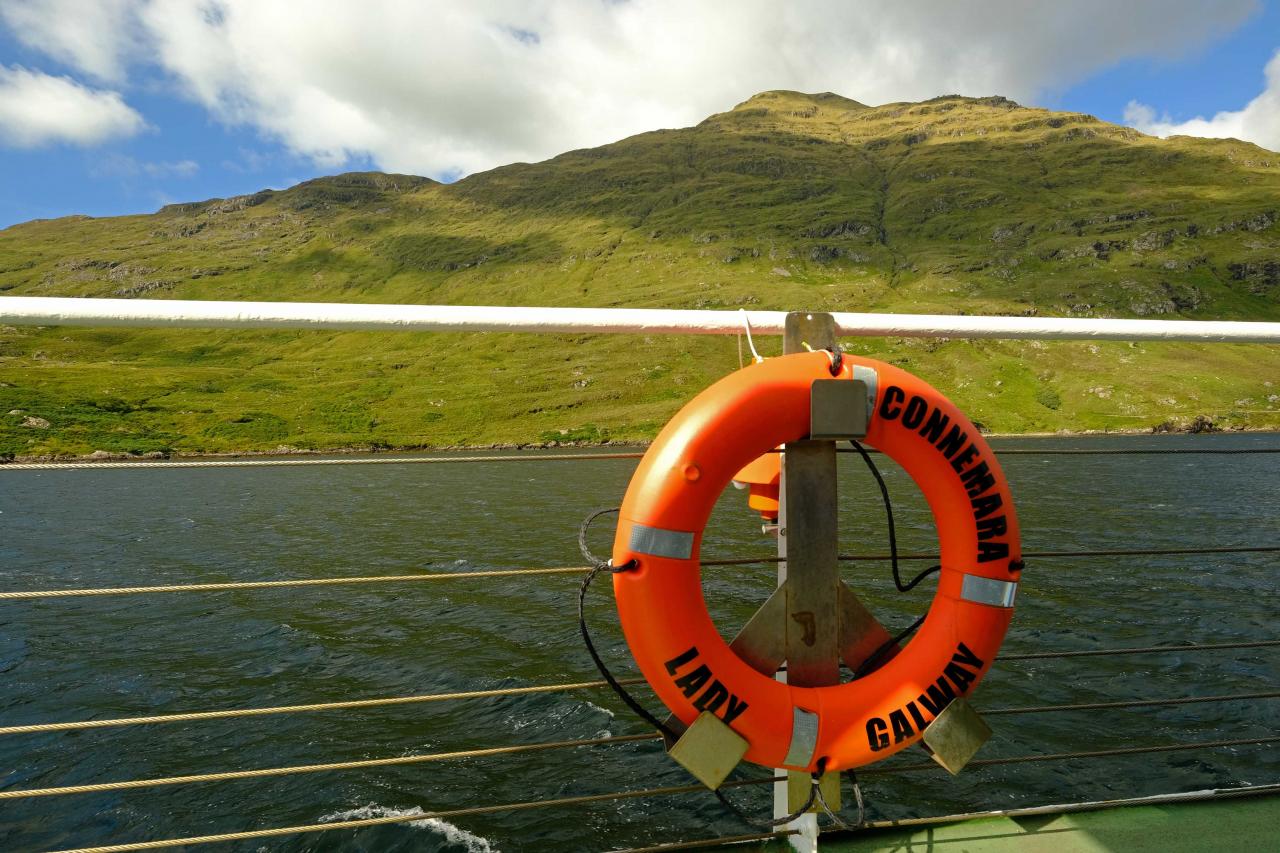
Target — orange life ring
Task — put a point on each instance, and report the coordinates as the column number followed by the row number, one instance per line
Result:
column 664, row 616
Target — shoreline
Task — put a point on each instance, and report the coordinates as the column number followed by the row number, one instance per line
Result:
column 285, row 450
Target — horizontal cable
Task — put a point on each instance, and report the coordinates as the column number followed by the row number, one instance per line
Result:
column 279, row 771
column 276, row 462
column 1190, row 796
column 1053, row 809
column 561, row 570
column 412, row 759
column 1095, row 753
column 22, row 793
column 1132, row 703
column 410, row 818
column 720, row 841
column 200, row 716
column 305, row 582
column 228, row 713
column 1136, row 650
column 301, row 582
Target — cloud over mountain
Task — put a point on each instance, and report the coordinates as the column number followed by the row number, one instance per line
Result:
column 446, row 88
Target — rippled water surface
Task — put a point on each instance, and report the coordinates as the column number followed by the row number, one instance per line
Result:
column 83, row 658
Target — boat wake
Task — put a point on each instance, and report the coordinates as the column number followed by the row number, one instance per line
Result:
column 452, row 834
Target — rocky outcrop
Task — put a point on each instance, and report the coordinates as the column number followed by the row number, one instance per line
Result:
column 843, row 228
column 1261, row 276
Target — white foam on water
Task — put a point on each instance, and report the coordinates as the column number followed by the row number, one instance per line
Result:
column 593, row 706
column 452, row 834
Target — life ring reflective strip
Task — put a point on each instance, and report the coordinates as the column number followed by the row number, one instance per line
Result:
column 664, row 616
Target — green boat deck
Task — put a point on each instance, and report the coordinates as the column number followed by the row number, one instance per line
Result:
column 1236, row 823
column 1246, row 823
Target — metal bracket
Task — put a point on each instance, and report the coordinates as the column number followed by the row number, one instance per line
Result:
column 861, row 635
column 838, row 409
column 709, row 749
column 956, row 735
column 798, row 791
column 762, row 641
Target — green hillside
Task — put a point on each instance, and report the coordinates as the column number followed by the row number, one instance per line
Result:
column 788, row 201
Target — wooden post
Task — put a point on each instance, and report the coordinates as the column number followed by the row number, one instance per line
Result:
column 808, row 546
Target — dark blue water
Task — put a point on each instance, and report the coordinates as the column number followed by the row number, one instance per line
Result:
column 81, row 658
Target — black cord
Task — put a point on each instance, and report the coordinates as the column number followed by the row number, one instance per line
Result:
column 893, row 533
column 597, row 566
column 604, row 670
column 582, row 538
column 877, row 657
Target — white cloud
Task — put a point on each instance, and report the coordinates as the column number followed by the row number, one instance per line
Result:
column 38, row 109
column 1258, row 122
column 94, row 37
column 443, row 88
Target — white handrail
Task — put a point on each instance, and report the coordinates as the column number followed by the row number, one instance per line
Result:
column 60, row 311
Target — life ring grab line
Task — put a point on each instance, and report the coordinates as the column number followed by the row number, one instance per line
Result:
column 664, row 615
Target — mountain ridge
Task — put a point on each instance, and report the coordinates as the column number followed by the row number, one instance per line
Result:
column 785, row 201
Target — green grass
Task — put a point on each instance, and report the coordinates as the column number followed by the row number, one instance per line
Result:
column 789, row 201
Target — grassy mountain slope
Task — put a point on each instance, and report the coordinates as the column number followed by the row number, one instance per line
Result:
column 788, row 201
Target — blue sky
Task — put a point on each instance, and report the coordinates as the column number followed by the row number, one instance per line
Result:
column 174, row 100
column 1225, row 74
